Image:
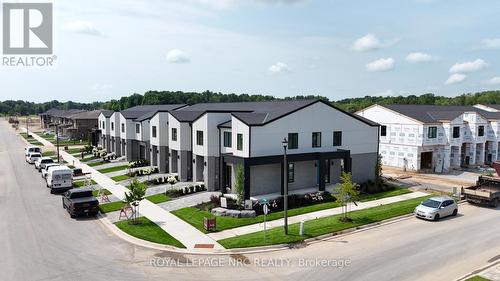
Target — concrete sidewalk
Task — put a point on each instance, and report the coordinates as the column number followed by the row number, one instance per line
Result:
column 179, row 229
column 311, row 216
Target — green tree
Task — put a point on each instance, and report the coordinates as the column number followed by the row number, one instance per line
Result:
column 239, row 185
column 134, row 196
column 347, row 193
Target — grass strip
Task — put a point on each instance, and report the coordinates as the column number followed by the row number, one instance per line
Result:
column 158, row 198
column 113, row 169
column 149, row 231
column 120, row 178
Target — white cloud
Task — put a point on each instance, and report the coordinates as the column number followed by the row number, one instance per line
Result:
column 417, row 57
column 279, row 67
column 490, row 43
column 469, row 66
column 455, row 78
column 383, row 64
column 101, row 88
column 371, row 42
column 493, row 81
column 177, row 56
column 82, row 27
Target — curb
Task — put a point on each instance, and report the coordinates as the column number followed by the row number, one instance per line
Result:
column 478, row 271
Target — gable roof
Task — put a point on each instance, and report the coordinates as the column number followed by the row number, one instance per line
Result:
column 107, row 113
column 87, row 115
column 437, row 113
column 143, row 112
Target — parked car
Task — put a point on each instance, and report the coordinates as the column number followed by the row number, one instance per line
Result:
column 436, row 207
column 40, row 162
column 47, row 167
column 59, row 179
column 80, row 201
column 32, row 157
column 30, row 149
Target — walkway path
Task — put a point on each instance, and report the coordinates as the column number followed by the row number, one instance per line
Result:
column 179, row 229
column 311, row 216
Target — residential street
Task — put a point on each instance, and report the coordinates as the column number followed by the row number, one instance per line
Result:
column 38, row 241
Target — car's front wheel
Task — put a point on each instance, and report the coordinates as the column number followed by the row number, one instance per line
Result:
column 455, row 212
column 436, row 217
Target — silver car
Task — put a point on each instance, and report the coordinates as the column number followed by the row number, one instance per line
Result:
column 436, row 207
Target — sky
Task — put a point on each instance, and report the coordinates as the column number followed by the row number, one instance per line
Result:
column 107, row 49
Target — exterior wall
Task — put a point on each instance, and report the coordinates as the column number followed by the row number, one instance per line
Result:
column 239, row 127
column 265, row 179
column 363, row 166
column 183, row 134
column 357, row 136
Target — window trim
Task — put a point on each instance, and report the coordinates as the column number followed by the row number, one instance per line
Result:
column 318, row 134
column 334, row 139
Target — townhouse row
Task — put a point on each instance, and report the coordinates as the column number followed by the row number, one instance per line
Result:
column 437, row 138
column 206, row 142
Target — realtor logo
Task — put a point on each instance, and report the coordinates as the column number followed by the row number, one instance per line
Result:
column 27, row 28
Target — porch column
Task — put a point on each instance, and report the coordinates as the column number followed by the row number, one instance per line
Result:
column 347, row 164
column 246, row 181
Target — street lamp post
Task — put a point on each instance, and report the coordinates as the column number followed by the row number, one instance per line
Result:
column 285, row 183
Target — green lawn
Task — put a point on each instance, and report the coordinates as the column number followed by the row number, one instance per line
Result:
column 158, row 198
column 72, row 150
column 111, row 207
column 477, row 278
column 81, row 183
column 322, row 226
column 149, row 231
column 48, row 153
column 87, row 159
column 120, row 178
column 194, row 216
column 113, row 169
column 96, row 192
column 97, row 163
column 35, row 142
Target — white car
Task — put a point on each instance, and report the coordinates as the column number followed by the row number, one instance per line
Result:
column 436, row 207
column 47, row 167
column 32, row 157
column 41, row 162
column 31, row 149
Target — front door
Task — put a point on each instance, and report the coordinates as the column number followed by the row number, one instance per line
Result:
column 228, row 174
column 426, row 160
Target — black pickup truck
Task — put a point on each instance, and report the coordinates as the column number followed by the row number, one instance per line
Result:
column 79, row 202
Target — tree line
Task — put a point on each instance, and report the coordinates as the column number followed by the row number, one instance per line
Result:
column 19, row 107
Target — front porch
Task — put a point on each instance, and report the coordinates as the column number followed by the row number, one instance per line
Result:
column 264, row 176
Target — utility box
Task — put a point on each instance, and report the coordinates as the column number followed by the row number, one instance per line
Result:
column 209, row 224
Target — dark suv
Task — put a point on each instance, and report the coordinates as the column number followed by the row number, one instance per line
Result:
column 79, row 202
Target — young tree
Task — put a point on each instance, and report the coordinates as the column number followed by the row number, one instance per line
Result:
column 238, row 184
column 134, row 196
column 347, row 193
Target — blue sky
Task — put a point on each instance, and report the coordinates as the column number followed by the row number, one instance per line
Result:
column 107, row 49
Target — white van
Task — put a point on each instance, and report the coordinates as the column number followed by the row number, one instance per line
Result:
column 32, row 157
column 47, row 168
column 59, row 179
column 32, row 149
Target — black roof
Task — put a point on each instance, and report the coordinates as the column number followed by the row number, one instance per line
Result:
column 143, row 112
column 61, row 113
column 438, row 113
column 107, row 113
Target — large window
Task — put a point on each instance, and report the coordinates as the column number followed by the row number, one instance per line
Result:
column 227, row 139
column 480, row 131
column 316, row 139
column 137, row 128
column 153, row 131
column 293, row 140
column 456, row 132
column 383, row 131
column 239, row 141
column 199, row 137
column 123, row 128
column 337, row 138
column 432, row 133
column 291, row 172
column 174, row 134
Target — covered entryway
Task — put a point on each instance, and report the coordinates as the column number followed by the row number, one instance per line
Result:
column 426, row 160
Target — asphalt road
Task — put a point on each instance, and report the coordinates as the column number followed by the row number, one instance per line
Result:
column 38, row 241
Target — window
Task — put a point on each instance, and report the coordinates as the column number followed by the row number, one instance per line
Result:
column 112, row 125
column 153, row 131
column 239, row 141
column 337, row 138
column 456, row 132
column 293, row 140
column 291, row 172
column 316, row 139
column 123, row 128
column 227, row 139
column 137, row 128
column 327, row 170
column 480, row 131
column 103, row 125
column 432, row 133
column 174, row 134
column 199, row 137
column 383, row 131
